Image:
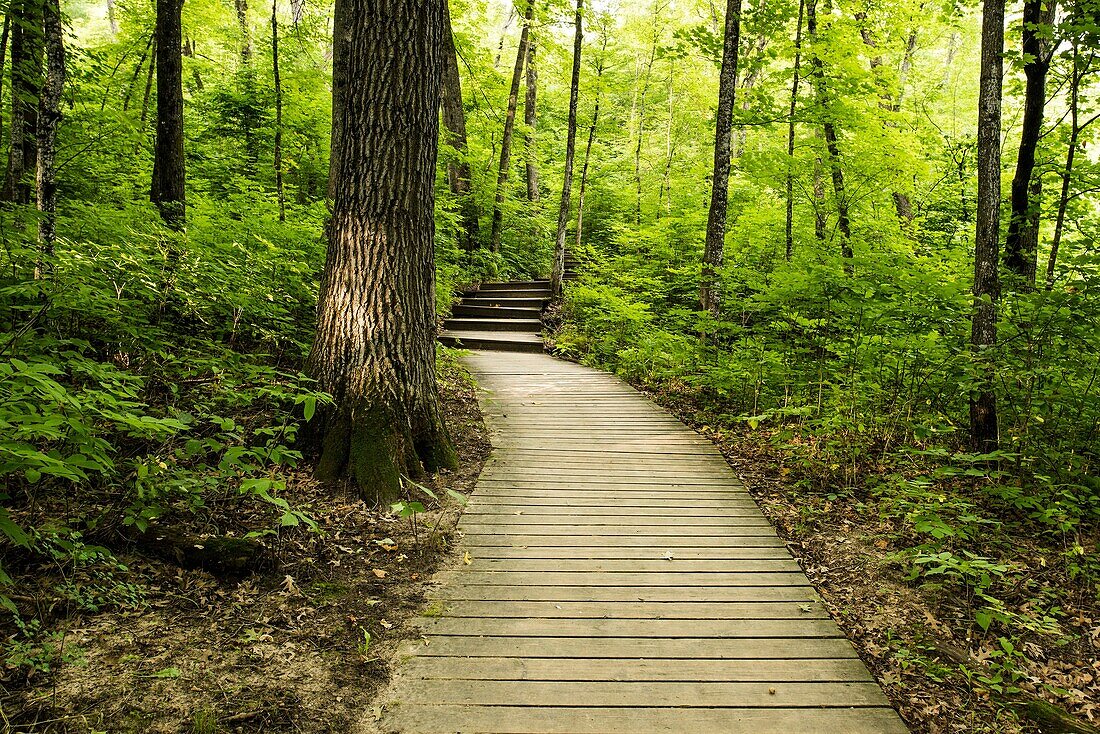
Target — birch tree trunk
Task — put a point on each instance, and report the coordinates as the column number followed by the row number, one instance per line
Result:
column 374, row 349
column 558, row 271
column 714, row 249
column 509, row 128
column 246, row 32
column 984, row 431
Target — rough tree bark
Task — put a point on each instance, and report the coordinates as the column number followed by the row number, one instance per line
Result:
column 984, row 432
column 374, row 349
column 832, row 145
column 168, row 191
column 26, row 83
column 558, row 271
column 531, row 120
column 509, row 128
column 279, row 189
column 454, row 121
column 789, row 227
column 1022, row 240
column 714, row 249
column 49, row 115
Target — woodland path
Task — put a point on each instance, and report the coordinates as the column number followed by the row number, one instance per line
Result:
column 620, row 579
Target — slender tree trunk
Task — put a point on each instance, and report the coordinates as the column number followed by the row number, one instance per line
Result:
column 168, row 191
column 789, row 228
column 147, row 97
column 279, row 190
column 374, row 350
column 558, row 271
column 821, row 219
column 719, row 193
column 49, row 114
column 112, row 19
column 246, row 32
column 454, row 121
column 984, row 432
column 3, row 58
column 1075, row 130
column 1022, row 240
column 26, row 74
column 340, row 80
column 666, row 177
column 509, row 128
column 297, row 11
column 531, row 119
column 591, row 135
column 832, row 144
column 645, row 77
column 137, row 73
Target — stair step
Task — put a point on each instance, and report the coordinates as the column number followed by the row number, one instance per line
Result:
column 535, row 303
column 464, row 310
column 543, row 293
column 523, row 326
column 489, row 340
column 516, row 285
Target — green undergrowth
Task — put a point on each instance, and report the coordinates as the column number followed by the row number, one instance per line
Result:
column 856, row 388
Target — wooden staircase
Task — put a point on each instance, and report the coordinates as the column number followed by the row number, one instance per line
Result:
column 499, row 316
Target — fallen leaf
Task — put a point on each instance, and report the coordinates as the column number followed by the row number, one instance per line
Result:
column 467, row 559
column 379, row 573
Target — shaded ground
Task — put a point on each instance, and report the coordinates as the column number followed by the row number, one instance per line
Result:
column 301, row 648
column 858, row 552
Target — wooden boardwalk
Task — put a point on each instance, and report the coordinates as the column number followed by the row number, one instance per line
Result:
column 620, row 580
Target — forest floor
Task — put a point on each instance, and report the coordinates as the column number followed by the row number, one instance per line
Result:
column 855, row 553
column 302, row 647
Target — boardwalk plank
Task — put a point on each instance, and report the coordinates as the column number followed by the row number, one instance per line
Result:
column 619, row 578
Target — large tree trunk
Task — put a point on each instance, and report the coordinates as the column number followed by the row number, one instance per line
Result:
column 279, row 191
column 374, row 350
column 832, row 145
column 454, row 121
column 509, row 128
column 1022, row 240
column 531, row 120
column 26, row 84
column 714, row 249
column 984, row 431
column 558, row 271
column 168, row 165
column 49, row 114
column 789, row 227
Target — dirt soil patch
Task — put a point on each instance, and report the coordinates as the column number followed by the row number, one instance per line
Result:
column 301, row 648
